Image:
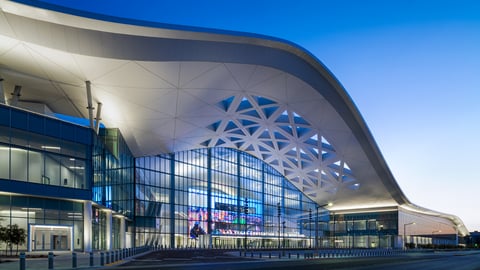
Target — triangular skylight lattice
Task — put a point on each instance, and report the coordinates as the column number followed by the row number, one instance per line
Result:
column 283, row 139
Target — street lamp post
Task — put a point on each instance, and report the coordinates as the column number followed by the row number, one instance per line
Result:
column 316, row 222
column 278, row 212
column 283, row 233
column 379, row 234
column 316, row 230
column 353, row 232
column 246, row 222
column 334, row 231
column 310, row 226
column 405, row 232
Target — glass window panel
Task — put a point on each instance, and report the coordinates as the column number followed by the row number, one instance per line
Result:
column 360, row 225
column 20, row 202
column 51, row 214
column 35, row 167
column 36, row 204
column 79, row 175
column 51, row 204
column 66, row 206
column 17, row 166
column 4, row 161
column 4, row 135
column 52, row 169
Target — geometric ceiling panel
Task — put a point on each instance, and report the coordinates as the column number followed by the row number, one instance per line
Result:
column 171, row 90
column 282, row 138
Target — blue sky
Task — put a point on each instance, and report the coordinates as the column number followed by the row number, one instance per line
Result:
column 411, row 67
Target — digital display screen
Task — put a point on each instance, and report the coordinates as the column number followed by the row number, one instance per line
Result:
column 226, row 215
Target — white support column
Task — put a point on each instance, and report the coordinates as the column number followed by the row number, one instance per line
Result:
column 15, row 95
column 89, row 103
column 87, row 226
column 108, row 230
column 123, row 235
column 98, row 118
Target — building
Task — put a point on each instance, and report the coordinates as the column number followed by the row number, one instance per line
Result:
column 193, row 137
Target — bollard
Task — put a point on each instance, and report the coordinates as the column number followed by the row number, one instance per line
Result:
column 112, row 259
column 107, row 257
column 50, row 260
column 102, row 259
column 74, row 260
column 22, row 261
column 91, row 259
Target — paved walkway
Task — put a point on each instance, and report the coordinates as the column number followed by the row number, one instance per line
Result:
column 62, row 260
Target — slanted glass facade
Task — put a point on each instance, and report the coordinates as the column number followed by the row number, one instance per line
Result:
column 218, row 197
column 113, row 187
column 45, row 168
column 43, row 150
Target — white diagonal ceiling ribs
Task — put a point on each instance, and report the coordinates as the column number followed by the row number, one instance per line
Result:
column 170, row 90
column 169, row 106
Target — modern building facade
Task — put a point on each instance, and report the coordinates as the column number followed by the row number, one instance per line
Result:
column 208, row 138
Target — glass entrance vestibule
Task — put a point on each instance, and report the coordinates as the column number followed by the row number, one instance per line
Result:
column 46, row 237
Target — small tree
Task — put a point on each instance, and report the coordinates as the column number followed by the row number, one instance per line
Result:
column 4, row 237
column 17, row 236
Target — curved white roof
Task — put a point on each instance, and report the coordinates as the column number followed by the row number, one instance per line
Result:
column 171, row 88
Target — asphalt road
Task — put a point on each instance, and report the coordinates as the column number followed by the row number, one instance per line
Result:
column 425, row 261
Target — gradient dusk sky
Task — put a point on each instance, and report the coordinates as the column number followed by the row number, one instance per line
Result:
column 411, row 67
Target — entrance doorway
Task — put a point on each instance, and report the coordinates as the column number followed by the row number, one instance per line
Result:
column 50, row 237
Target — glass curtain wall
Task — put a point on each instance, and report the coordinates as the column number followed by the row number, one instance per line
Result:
column 99, row 229
column 362, row 230
column 50, row 224
column 43, row 150
column 113, row 185
column 221, row 198
column 426, row 231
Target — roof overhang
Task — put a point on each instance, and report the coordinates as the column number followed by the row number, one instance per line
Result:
column 173, row 88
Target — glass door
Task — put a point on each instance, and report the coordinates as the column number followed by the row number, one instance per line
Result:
column 45, row 237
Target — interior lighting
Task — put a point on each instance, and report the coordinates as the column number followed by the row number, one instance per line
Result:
column 51, row 147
